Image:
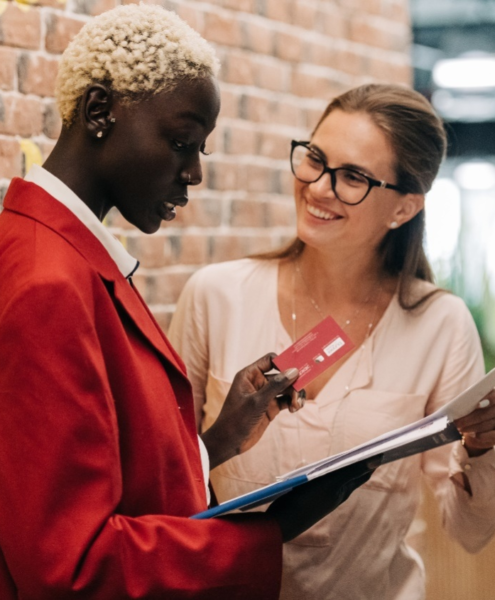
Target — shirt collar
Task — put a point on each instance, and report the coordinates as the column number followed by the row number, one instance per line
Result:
column 126, row 263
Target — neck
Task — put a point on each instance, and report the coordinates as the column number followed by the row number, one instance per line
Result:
column 67, row 162
column 337, row 278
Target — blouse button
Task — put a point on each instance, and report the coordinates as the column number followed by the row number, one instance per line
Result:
column 467, row 467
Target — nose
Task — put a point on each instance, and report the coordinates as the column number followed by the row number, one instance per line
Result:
column 324, row 186
column 192, row 173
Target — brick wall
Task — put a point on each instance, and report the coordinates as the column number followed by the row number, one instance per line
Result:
column 282, row 60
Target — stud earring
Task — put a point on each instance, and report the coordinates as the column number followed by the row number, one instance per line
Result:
column 394, row 225
column 112, row 120
column 99, row 134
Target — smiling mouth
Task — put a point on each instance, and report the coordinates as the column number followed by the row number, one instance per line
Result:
column 321, row 214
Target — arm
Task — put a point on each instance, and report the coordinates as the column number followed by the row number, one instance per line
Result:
column 463, row 486
column 189, row 336
column 62, row 530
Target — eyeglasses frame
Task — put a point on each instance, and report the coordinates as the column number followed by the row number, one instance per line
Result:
column 326, row 169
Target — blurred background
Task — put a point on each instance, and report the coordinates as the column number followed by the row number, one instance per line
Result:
column 453, row 59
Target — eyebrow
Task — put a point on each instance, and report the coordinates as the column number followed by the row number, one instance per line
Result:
column 352, row 166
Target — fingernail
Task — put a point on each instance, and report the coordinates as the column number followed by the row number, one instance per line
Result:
column 301, row 397
column 484, row 403
column 291, row 373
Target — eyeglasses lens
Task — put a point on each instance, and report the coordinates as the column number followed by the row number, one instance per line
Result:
column 350, row 186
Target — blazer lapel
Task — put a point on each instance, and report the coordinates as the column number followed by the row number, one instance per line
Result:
column 33, row 202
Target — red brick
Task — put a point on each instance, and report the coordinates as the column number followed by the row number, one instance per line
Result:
column 255, row 108
column 193, row 16
column 240, row 138
column 164, row 287
column 287, row 112
column 313, row 82
column 20, row 27
column 288, row 45
column 264, row 241
column 240, row 68
column 37, row 74
column 228, row 247
column 20, row 115
column 272, row 74
column 279, row 11
column 222, row 28
column 320, row 51
column 305, row 14
column 192, row 248
column 258, row 178
column 249, row 6
column 96, row 7
column 350, row 61
column 152, row 251
column 52, row 123
column 230, row 102
column 280, row 212
column 247, row 213
column 202, row 210
column 275, row 144
column 258, row 36
column 222, row 174
column 8, row 64
column 11, row 158
column 333, row 22
column 59, row 32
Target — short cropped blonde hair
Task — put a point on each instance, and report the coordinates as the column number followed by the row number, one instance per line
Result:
column 137, row 50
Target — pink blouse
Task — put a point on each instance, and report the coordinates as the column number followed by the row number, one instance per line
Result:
column 411, row 364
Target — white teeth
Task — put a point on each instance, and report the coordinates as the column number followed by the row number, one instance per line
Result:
column 169, row 206
column 320, row 214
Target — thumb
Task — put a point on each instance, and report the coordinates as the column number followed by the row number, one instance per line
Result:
column 277, row 384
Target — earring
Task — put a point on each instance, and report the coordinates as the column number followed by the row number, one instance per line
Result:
column 112, row 120
column 394, row 225
column 189, row 179
column 99, row 134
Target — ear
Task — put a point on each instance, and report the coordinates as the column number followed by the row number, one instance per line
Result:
column 407, row 208
column 96, row 110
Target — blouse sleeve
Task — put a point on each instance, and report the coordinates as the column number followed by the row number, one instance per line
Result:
column 464, row 487
column 188, row 334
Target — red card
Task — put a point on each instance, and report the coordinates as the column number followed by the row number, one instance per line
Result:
column 317, row 350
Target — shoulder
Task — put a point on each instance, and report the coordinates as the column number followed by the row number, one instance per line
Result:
column 442, row 312
column 246, row 273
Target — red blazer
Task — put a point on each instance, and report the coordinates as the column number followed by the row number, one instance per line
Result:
column 99, row 460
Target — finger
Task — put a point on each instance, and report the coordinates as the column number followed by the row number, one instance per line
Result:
column 264, row 364
column 278, row 384
column 481, row 427
column 481, row 441
column 484, row 411
column 293, row 401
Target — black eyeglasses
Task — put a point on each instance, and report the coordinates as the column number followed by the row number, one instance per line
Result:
column 350, row 186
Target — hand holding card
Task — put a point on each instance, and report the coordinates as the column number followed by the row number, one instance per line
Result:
column 315, row 352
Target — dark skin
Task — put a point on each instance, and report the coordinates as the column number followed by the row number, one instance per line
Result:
column 141, row 158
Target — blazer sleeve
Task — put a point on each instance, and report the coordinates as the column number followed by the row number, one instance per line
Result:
column 60, row 479
column 464, row 487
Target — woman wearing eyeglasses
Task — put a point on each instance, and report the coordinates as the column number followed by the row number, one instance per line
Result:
column 359, row 188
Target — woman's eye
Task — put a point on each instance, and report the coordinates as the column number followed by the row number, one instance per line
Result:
column 178, row 145
column 314, row 159
column 353, row 178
